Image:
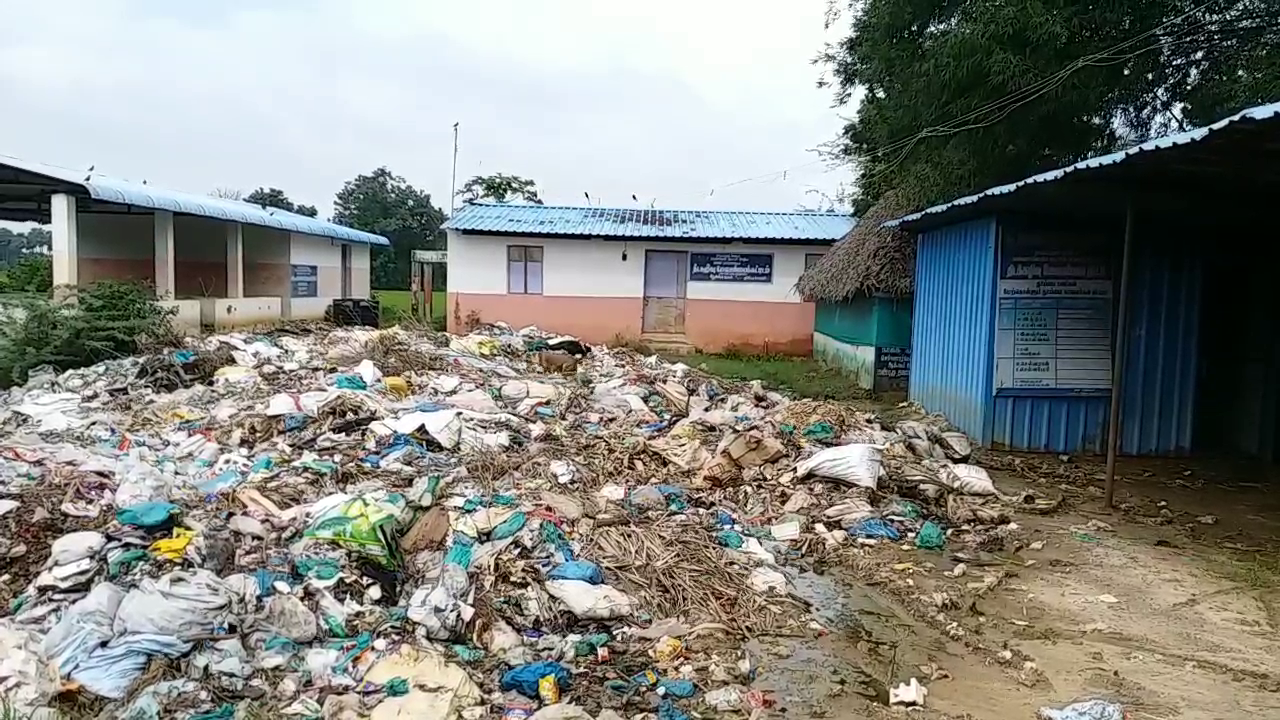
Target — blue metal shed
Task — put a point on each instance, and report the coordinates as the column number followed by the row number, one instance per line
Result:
column 1023, row 302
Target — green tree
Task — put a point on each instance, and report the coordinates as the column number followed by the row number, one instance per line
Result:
column 386, row 204
column 956, row 95
column 500, row 188
column 275, row 198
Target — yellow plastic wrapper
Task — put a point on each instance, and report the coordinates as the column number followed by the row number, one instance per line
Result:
column 397, row 386
column 549, row 689
column 668, row 649
column 173, row 548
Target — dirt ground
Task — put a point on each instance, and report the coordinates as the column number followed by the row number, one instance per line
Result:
column 1146, row 605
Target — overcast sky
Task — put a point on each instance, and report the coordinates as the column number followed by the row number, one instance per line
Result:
column 666, row 99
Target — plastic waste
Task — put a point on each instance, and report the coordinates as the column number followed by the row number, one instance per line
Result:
column 524, row 679
column 591, row 602
column 583, row 570
column 967, row 479
column 874, row 528
column 178, row 604
column 931, row 536
column 359, row 524
column 148, row 514
column 857, row 464
column 676, row 688
column 75, row 546
column 768, row 580
column 908, row 693
column 1088, row 710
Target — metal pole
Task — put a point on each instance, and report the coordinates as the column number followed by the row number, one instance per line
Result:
column 453, row 181
column 1117, row 366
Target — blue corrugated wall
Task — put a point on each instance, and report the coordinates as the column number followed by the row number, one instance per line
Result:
column 1160, row 361
column 954, row 324
column 1160, row 373
column 1051, row 424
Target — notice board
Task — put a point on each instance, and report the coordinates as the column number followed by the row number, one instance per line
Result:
column 1053, row 315
column 303, row 281
column 731, row 267
column 893, row 369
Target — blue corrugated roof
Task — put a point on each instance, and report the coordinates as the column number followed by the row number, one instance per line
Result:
column 587, row 221
column 1262, row 112
column 124, row 192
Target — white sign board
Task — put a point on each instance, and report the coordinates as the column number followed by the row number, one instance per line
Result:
column 430, row 256
column 1053, row 317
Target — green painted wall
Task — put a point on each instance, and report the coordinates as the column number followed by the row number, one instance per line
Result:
column 873, row 321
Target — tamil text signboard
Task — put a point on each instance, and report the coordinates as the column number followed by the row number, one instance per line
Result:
column 731, row 267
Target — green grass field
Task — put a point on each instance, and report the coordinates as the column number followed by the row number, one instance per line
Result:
column 396, row 304
column 805, row 377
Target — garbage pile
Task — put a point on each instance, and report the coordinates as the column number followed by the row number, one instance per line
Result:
column 358, row 523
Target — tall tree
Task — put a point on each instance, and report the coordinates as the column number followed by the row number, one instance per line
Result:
column 955, row 95
column 500, row 188
column 386, row 204
column 275, row 198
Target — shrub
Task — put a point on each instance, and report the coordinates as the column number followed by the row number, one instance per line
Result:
column 111, row 319
column 32, row 273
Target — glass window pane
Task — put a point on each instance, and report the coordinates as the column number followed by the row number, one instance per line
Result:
column 534, row 275
column 533, row 254
column 515, row 252
column 515, row 277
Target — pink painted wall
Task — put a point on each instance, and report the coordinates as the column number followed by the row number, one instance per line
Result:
column 710, row 325
column 593, row 319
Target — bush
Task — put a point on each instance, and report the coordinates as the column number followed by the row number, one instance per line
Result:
column 32, row 273
column 111, row 319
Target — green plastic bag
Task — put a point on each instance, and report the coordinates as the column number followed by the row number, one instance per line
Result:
column 361, row 526
column 931, row 537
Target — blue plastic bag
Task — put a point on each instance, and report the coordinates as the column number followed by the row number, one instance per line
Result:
column 677, row 688
column 524, row 679
column 874, row 528
column 508, row 527
column 350, row 382
column 583, row 570
column 667, row 710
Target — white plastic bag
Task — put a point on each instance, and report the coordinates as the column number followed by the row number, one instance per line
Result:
column 967, row 479
column 859, row 464
column 75, row 546
column 768, row 581
column 178, row 604
column 591, row 602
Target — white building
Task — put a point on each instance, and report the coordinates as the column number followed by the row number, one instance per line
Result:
column 710, row 280
column 219, row 262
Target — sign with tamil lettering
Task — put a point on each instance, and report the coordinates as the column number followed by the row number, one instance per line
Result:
column 731, row 267
column 430, row 256
column 1053, row 314
column 304, row 281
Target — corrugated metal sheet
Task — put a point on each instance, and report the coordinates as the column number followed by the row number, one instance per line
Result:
column 1260, row 113
column 1161, row 358
column 1051, row 424
column 952, row 337
column 585, row 221
column 123, row 192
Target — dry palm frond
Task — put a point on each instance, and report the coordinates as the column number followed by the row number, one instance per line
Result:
column 871, row 260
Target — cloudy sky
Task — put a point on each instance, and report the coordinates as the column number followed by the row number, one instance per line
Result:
column 665, row 99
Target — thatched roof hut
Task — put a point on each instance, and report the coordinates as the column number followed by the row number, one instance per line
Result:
column 870, row 260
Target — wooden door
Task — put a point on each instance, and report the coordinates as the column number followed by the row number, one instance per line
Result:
column 665, row 276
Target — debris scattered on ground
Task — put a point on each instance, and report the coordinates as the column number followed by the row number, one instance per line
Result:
column 380, row 523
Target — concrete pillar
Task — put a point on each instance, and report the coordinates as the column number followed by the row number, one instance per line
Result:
column 66, row 240
column 235, row 260
column 164, row 255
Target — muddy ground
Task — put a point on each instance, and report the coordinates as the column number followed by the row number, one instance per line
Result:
column 1146, row 605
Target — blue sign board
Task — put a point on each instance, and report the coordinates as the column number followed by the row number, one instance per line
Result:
column 303, row 281
column 731, row 267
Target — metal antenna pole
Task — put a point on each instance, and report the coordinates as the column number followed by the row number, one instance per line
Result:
column 453, row 181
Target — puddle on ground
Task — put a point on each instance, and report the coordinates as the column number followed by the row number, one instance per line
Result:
column 870, row 647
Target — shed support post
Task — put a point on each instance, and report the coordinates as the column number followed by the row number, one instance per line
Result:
column 65, row 242
column 235, row 260
column 1117, row 367
column 164, row 257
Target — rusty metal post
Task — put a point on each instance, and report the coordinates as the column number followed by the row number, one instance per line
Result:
column 1117, row 364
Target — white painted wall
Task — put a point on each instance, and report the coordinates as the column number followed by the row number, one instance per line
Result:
column 595, row 268
column 361, row 269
